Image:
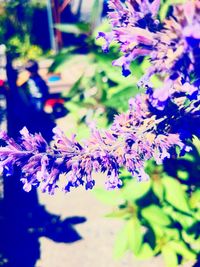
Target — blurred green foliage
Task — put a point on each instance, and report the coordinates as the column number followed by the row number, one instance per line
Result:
column 160, row 216
column 101, row 91
column 16, row 25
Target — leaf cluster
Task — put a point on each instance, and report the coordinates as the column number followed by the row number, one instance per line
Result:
column 160, row 216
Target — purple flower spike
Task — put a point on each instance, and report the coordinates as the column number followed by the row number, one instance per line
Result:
column 134, row 26
column 146, row 131
column 169, row 44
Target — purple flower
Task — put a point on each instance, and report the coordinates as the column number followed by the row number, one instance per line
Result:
column 135, row 137
column 108, row 39
column 172, row 45
column 134, row 26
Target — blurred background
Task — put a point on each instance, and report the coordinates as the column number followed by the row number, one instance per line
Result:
column 53, row 72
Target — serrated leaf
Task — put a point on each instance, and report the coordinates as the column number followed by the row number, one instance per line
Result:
column 175, row 195
column 134, row 190
column 135, row 236
column 170, row 257
column 155, row 214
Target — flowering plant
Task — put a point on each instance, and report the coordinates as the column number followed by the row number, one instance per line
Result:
column 157, row 122
column 161, row 124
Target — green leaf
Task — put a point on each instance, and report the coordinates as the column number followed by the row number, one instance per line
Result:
column 170, row 257
column 195, row 199
column 192, row 241
column 120, row 99
column 82, row 132
column 158, row 230
column 119, row 214
column 163, row 11
column 165, row 7
column 185, row 220
column 175, row 195
column 121, row 243
column 196, row 142
column 115, row 74
column 130, row 237
column 188, row 238
column 188, row 157
column 65, row 60
column 183, row 175
column 181, row 248
column 78, row 28
column 172, row 233
column 155, row 214
column 158, row 189
column 134, row 190
column 107, row 197
column 135, row 236
column 96, row 11
column 59, row 60
column 145, row 252
column 74, row 89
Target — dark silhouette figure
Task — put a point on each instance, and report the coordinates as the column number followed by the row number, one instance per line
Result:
column 22, row 219
column 26, row 103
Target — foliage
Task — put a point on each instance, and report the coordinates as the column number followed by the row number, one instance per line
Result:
column 16, row 28
column 101, row 91
column 23, row 48
column 161, row 215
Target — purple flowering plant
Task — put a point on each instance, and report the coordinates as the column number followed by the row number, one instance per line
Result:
column 156, row 123
column 156, row 138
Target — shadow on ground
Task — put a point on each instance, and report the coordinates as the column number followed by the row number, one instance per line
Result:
column 23, row 221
